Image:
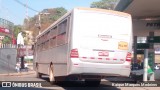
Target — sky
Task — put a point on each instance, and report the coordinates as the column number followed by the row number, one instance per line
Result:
column 15, row 12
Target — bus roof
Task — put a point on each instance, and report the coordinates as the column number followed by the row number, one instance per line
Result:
column 104, row 10
column 85, row 9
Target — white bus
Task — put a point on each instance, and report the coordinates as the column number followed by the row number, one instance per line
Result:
column 86, row 43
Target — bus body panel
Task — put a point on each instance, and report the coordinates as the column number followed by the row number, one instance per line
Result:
column 101, row 44
column 101, row 69
column 58, row 56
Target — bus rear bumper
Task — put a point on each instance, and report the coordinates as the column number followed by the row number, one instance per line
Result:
column 99, row 69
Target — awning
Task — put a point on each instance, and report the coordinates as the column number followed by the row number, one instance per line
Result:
column 140, row 8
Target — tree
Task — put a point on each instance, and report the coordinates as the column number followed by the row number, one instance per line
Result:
column 7, row 40
column 60, row 11
column 46, row 20
column 105, row 4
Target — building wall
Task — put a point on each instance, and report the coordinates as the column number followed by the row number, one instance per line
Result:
column 143, row 27
column 6, row 24
column 6, row 27
column 7, row 60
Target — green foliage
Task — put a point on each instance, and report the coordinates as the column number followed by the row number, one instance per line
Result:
column 59, row 12
column 7, row 40
column 104, row 4
column 16, row 30
column 32, row 24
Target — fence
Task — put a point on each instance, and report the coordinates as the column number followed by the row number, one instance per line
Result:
column 8, row 46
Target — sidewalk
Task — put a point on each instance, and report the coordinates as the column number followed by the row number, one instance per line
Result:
column 19, row 74
column 30, row 71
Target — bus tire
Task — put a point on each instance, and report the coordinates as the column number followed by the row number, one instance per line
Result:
column 51, row 75
column 92, row 82
column 38, row 75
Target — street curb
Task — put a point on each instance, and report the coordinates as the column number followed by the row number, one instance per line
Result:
column 18, row 74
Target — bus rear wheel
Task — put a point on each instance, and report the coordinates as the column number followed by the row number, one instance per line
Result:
column 38, row 75
column 92, row 82
column 51, row 75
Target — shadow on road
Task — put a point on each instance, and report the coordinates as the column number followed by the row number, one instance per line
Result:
column 80, row 85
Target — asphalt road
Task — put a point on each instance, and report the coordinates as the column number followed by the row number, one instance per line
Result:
column 74, row 85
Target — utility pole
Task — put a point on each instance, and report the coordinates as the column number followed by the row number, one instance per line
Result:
column 152, row 77
column 27, row 9
column 26, row 16
column 38, row 23
column 145, row 66
column 135, row 51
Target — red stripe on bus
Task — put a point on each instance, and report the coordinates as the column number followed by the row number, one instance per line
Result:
column 84, row 57
column 114, row 59
column 100, row 58
column 122, row 59
column 92, row 58
column 107, row 58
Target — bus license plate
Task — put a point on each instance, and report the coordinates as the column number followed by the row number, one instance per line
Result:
column 103, row 53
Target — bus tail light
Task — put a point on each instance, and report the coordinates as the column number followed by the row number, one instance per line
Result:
column 74, row 53
column 128, row 57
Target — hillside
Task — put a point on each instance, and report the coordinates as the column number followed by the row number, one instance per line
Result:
column 47, row 17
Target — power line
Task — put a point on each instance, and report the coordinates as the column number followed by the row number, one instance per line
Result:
column 26, row 6
column 7, row 12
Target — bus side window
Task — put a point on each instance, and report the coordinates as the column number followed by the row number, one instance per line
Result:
column 46, row 44
column 46, row 40
column 67, row 30
column 33, row 46
column 38, row 47
column 43, row 46
column 61, row 39
column 53, row 35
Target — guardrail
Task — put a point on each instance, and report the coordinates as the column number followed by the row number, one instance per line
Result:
column 23, row 51
column 8, row 46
